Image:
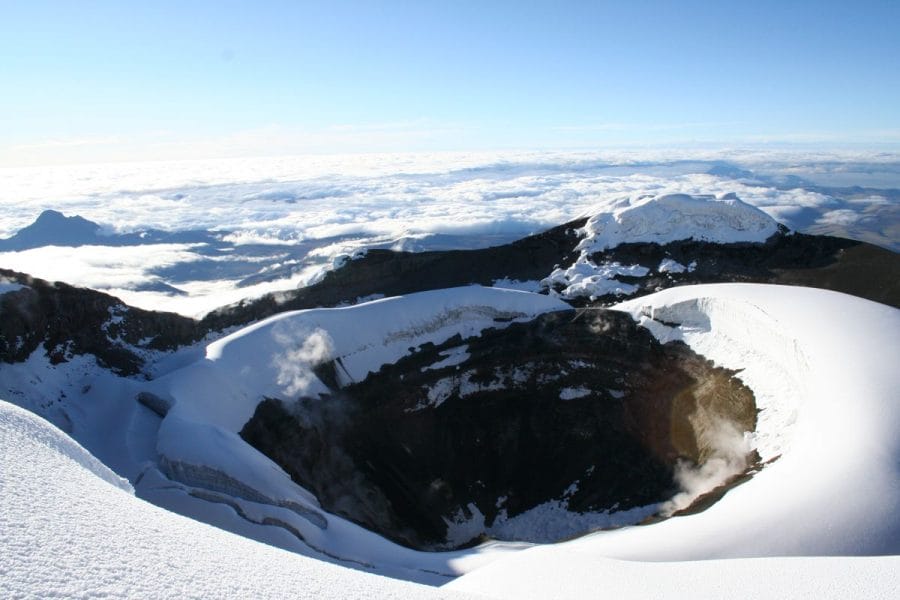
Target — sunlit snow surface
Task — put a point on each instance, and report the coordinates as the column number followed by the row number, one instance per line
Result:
column 822, row 365
column 287, row 219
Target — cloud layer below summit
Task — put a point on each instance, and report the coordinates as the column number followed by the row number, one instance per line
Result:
column 335, row 204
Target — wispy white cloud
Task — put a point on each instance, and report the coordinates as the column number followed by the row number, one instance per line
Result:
column 863, row 136
column 97, row 266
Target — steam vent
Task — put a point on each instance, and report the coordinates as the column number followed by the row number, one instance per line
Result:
column 578, row 413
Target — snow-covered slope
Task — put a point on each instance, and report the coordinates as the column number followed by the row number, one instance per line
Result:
column 68, row 529
column 824, row 368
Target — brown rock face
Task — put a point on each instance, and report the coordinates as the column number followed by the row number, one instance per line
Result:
column 510, row 419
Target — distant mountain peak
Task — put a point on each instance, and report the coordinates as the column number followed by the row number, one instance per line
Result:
column 54, row 217
column 53, row 228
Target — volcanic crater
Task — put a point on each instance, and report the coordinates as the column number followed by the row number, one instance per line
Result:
column 580, row 411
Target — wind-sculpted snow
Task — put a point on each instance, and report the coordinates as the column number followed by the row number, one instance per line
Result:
column 66, row 532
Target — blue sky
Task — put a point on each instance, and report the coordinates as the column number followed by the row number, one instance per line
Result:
column 126, row 80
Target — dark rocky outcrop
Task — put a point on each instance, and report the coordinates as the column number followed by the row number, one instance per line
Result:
column 579, row 397
column 67, row 320
column 791, row 259
column 862, row 270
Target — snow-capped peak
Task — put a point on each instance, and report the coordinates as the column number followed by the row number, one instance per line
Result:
column 672, row 217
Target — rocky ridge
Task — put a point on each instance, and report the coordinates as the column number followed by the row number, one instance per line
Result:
column 67, row 320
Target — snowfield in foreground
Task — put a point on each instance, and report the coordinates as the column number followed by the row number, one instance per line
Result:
column 66, row 532
column 822, row 365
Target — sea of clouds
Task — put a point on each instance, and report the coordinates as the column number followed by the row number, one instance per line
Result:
column 282, row 221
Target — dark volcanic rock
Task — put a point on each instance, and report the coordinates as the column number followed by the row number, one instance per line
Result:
column 794, row 259
column 580, row 397
column 68, row 320
column 862, row 270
